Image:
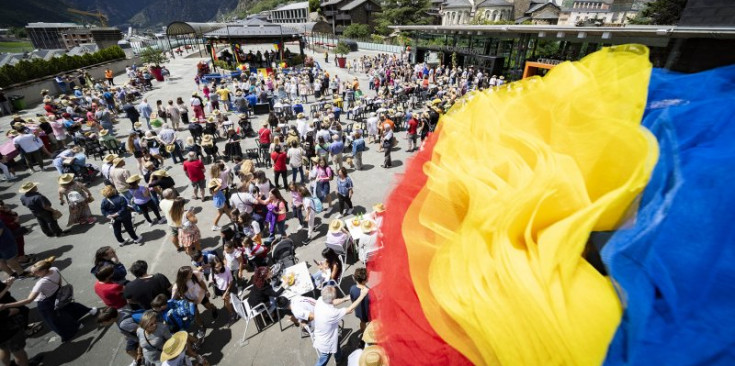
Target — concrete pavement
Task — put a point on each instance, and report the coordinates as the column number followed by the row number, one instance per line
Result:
column 97, row 346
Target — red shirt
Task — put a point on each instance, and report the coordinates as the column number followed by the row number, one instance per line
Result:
column 111, row 294
column 264, row 135
column 412, row 125
column 279, row 161
column 194, row 170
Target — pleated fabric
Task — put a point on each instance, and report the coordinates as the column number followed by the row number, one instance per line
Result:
column 674, row 262
column 483, row 238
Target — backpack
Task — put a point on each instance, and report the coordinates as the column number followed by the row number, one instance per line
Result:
column 135, row 314
column 318, row 208
column 179, row 315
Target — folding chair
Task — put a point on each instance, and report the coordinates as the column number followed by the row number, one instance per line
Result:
column 243, row 309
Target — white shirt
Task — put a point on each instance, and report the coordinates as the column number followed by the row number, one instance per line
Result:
column 105, row 170
column 165, row 206
column 231, row 259
column 180, row 360
column 302, row 307
column 294, row 157
column 243, row 201
column 47, row 286
column 195, row 101
column 301, row 127
column 28, row 142
column 326, row 326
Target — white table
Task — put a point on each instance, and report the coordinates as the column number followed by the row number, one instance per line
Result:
column 303, row 282
column 302, row 285
column 367, row 244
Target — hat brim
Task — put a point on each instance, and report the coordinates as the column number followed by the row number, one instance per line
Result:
column 180, row 339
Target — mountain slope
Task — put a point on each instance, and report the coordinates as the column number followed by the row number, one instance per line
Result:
column 20, row 13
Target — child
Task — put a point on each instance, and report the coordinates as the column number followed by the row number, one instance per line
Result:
column 223, row 286
column 204, row 261
column 256, row 253
column 297, row 202
column 219, row 200
column 189, row 234
column 233, row 259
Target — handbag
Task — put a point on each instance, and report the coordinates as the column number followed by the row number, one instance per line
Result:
column 56, row 214
column 64, row 294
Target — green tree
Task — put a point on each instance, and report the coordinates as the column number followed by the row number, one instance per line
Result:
column 314, row 5
column 342, row 48
column 151, row 56
column 401, row 12
column 660, row 12
column 356, row 30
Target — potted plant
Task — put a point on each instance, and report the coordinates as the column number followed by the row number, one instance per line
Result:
column 341, row 51
column 154, row 59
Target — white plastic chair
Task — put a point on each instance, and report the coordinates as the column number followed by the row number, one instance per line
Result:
column 243, row 309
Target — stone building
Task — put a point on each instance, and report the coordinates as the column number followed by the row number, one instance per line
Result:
column 460, row 12
column 291, row 13
column 342, row 13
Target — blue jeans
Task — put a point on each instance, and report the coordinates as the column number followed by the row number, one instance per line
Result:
column 300, row 170
column 322, row 190
column 325, row 357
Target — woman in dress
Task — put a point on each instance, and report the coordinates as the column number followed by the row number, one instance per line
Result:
column 64, row 321
column 219, row 200
column 78, row 197
column 189, row 234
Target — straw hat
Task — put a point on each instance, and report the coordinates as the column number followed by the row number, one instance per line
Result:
column 371, row 356
column 300, row 115
column 109, row 158
column 379, row 207
column 19, row 125
column 116, row 162
column 174, row 346
column 160, row 173
column 207, row 140
column 104, row 132
column 16, row 116
column 336, row 226
column 216, row 112
column 194, row 94
column 370, row 333
column 215, row 183
column 27, row 187
column 47, row 100
column 66, row 178
column 133, row 179
column 42, row 119
column 12, row 133
column 368, row 226
column 137, row 125
column 436, row 101
column 210, row 119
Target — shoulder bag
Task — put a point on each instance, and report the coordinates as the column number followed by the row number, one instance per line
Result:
column 64, row 294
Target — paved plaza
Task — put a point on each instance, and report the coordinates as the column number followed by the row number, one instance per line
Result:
column 105, row 346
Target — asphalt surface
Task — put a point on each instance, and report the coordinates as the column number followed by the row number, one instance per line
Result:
column 74, row 253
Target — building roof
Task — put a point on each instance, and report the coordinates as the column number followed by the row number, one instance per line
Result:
column 537, row 7
column 293, row 6
column 352, row 4
column 46, row 54
column 181, row 28
column 489, row 3
column 452, row 4
column 252, row 31
column 330, row 2
column 83, row 49
column 10, row 58
column 53, row 25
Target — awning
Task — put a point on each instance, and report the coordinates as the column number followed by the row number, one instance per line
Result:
column 186, row 28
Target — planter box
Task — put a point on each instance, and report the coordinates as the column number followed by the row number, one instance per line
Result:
column 341, row 61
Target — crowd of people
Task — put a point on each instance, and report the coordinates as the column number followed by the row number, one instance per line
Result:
column 311, row 140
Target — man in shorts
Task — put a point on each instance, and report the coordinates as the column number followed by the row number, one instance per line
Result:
column 194, row 169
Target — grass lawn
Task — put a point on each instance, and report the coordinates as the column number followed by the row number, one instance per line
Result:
column 15, row 47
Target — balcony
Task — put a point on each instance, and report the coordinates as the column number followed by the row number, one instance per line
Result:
column 329, row 13
column 343, row 17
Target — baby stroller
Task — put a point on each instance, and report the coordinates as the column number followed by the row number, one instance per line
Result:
column 283, row 255
column 84, row 173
